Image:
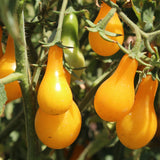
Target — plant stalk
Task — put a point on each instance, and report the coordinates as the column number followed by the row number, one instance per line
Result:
column 29, row 99
column 60, row 21
column 11, row 77
column 106, row 19
column 57, row 37
column 15, row 26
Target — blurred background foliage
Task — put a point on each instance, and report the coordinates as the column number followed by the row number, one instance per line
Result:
column 97, row 140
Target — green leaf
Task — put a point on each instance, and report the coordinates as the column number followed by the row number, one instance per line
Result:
column 137, row 6
column 3, row 98
column 148, row 15
column 144, row 11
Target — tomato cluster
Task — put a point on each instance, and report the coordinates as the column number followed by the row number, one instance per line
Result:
column 135, row 117
column 58, row 119
column 115, row 99
column 57, row 108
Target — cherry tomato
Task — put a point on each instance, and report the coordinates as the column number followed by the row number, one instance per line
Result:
column 137, row 128
column 98, row 44
column 115, row 96
column 58, row 131
column 54, row 93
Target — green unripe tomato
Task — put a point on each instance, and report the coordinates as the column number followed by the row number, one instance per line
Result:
column 73, row 55
column 75, row 59
column 70, row 30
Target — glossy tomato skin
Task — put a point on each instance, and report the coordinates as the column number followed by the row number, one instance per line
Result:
column 138, row 127
column 8, row 66
column 58, row 131
column 54, row 94
column 73, row 56
column 13, row 91
column 67, row 76
column 115, row 96
column 98, row 44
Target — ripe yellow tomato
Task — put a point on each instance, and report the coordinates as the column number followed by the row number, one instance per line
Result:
column 54, row 93
column 13, row 91
column 58, row 131
column 8, row 66
column 138, row 127
column 98, row 44
column 115, row 96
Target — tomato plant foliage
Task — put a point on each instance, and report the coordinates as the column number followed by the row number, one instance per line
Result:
column 97, row 83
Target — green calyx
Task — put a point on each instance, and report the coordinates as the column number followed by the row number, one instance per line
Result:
column 101, row 25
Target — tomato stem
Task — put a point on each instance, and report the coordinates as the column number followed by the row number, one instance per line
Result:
column 11, row 77
column 106, row 19
column 135, row 29
column 147, row 37
column 57, row 37
column 60, row 21
column 22, row 72
column 41, row 60
column 148, row 46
